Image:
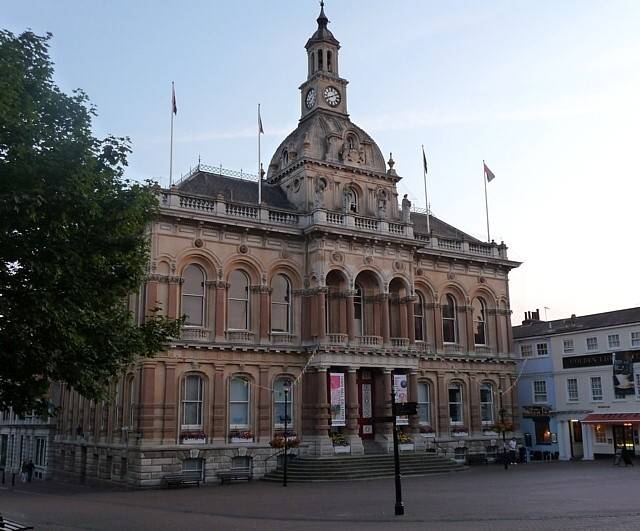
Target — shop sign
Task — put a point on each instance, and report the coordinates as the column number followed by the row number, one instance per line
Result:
column 338, row 403
column 532, row 412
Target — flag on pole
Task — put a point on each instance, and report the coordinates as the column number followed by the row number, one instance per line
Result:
column 424, row 160
column 260, row 129
column 174, row 106
column 488, row 174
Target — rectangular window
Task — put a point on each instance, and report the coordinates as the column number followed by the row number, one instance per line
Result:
column 543, row 433
column 572, row 389
column 192, row 465
column 539, row 391
column 424, row 413
column 567, row 345
column 592, row 343
column 636, row 375
column 542, row 349
column 526, row 351
column 455, row 404
column 239, row 403
column 601, row 434
column 614, row 340
column 192, row 402
column 596, row 389
column 635, row 339
column 41, row 452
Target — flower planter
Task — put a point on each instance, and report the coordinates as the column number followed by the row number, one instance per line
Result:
column 406, row 447
column 193, row 440
column 342, row 449
column 241, row 440
column 428, row 435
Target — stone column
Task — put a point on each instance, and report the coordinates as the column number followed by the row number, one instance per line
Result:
column 471, row 339
column 169, row 420
column 221, row 295
column 323, row 444
column 321, row 316
column 386, row 429
column 411, row 329
column 174, row 289
column 265, row 314
column 384, row 302
column 443, row 407
column 353, row 413
column 351, row 318
column 148, row 405
column 211, row 315
column 510, row 347
column 587, row 442
column 219, row 405
column 497, row 315
column 264, row 406
column 474, row 404
column 564, row 440
column 402, row 313
column 437, row 325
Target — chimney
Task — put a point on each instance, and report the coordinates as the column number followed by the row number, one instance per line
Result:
column 531, row 317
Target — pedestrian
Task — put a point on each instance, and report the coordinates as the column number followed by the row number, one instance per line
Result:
column 30, row 468
column 23, row 472
column 513, row 447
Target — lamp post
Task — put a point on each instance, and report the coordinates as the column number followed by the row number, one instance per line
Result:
column 399, row 507
column 504, row 433
column 287, row 388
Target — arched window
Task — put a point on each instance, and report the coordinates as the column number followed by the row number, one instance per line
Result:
column 449, row 320
column 238, row 307
column 455, row 404
column 239, row 401
column 357, row 310
column 351, row 142
column 329, row 65
column 279, row 403
column 418, row 318
column 285, row 156
column 424, row 403
column 486, row 403
column 193, row 295
column 280, row 304
column 350, row 200
column 192, row 395
column 319, row 59
column 479, row 322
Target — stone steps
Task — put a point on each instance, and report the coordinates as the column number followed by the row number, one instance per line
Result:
column 347, row 468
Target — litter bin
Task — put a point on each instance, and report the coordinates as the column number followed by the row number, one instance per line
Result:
column 522, row 458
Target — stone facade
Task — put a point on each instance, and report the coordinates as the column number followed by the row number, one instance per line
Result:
column 328, row 275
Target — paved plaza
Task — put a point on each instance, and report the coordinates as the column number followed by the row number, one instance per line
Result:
column 557, row 495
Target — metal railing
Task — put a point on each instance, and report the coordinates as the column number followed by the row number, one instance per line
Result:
column 218, row 170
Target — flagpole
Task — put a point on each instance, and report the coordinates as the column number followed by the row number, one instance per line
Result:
column 259, row 163
column 426, row 197
column 486, row 201
column 171, row 143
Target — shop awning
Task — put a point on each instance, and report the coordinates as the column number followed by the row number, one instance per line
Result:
column 611, row 418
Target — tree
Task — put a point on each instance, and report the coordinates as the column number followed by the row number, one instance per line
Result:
column 73, row 240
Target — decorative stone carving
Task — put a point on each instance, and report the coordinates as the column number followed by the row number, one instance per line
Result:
column 337, row 257
column 319, row 188
column 406, row 209
column 398, row 265
column 481, row 279
column 381, row 200
column 243, row 249
column 451, row 275
column 368, row 260
column 419, row 271
column 198, row 242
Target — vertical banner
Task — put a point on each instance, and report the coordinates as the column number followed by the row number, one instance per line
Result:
column 623, row 374
column 338, row 403
column 400, row 386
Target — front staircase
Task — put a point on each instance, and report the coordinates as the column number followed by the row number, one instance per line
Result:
column 375, row 466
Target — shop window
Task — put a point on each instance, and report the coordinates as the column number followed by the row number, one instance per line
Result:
column 279, row 403
column 424, row 403
column 238, row 304
column 281, row 304
column 449, row 320
column 455, row 404
column 193, row 296
column 543, row 433
column 479, row 321
column 486, row 404
column 600, row 433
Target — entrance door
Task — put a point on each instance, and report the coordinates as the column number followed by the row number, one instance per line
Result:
column 623, row 437
column 576, row 439
column 365, row 404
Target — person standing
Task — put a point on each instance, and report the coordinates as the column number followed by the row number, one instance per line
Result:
column 23, row 472
column 513, row 447
column 30, row 469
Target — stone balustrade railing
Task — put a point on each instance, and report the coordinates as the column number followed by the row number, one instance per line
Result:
column 400, row 342
column 195, row 334
column 220, row 207
column 369, row 341
column 337, row 339
column 239, row 336
column 283, row 338
column 452, row 348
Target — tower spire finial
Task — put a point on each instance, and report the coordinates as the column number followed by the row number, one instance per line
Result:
column 322, row 18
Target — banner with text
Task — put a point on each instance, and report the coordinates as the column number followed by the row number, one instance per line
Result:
column 401, row 388
column 338, row 403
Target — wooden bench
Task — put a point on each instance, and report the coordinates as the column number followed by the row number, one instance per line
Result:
column 9, row 525
column 184, row 478
column 477, row 459
column 235, row 473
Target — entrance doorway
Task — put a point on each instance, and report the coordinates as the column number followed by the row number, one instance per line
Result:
column 623, row 437
column 575, row 432
column 366, row 425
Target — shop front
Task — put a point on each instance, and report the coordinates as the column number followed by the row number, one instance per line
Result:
column 614, row 432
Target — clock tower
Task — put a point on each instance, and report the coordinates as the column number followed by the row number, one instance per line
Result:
column 324, row 88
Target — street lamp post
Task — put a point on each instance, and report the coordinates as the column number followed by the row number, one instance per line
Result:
column 399, row 507
column 287, row 387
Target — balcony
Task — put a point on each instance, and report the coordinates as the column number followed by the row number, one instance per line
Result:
column 369, row 341
column 239, row 336
column 422, row 347
column 339, row 340
column 483, row 349
column 282, row 338
column 195, row 334
column 400, row 342
column 452, row 348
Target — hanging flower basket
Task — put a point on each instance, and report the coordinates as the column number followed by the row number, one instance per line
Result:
column 241, row 436
column 500, row 427
column 279, row 438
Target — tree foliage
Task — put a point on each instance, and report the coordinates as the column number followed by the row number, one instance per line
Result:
column 73, row 240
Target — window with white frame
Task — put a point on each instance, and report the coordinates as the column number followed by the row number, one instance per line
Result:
column 614, row 340
column 455, row 404
column 424, row 403
column 193, row 299
column 572, row 390
column 592, row 343
column 542, row 349
column 449, row 320
column 41, row 452
column 238, row 301
column 281, row 304
column 526, row 351
column 279, row 402
column 539, row 391
column 418, row 317
column 479, row 321
column 601, row 433
column 239, row 396
column 596, row 389
column 192, row 398
column 567, row 346
column 486, row 403
column 635, row 339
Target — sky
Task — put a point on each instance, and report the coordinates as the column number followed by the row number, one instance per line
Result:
column 546, row 91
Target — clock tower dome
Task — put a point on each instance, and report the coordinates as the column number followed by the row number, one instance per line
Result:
column 324, row 88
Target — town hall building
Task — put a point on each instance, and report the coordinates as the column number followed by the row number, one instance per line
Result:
column 330, row 288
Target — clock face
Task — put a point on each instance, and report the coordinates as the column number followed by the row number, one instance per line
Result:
column 331, row 96
column 310, row 100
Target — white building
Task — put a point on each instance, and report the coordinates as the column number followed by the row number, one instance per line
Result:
column 589, row 390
